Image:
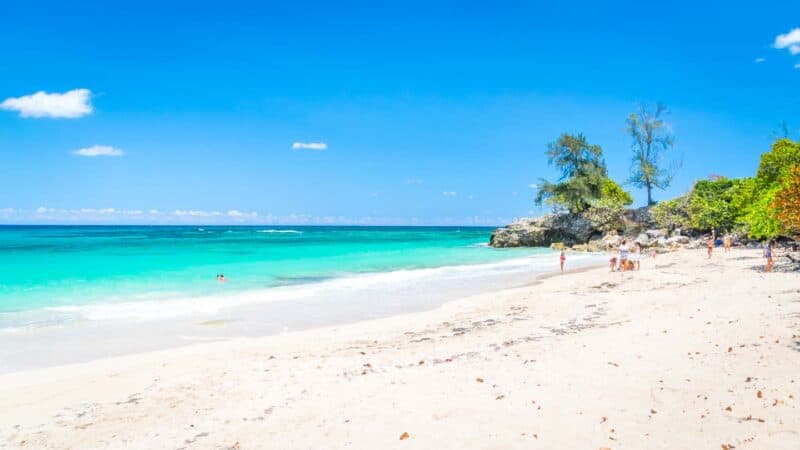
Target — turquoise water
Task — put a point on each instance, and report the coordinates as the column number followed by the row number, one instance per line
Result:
column 55, row 266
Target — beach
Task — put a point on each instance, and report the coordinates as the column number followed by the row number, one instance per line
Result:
column 685, row 354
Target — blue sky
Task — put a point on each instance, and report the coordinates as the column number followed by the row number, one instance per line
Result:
column 429, row 112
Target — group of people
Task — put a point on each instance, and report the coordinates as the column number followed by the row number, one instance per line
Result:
column 628, row 258
column 727, row 242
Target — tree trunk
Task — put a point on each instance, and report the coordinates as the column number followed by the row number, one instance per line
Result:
column 649, row 194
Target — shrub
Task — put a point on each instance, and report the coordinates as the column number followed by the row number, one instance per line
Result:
column 672, row 214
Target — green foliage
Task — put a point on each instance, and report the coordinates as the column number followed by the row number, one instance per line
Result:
column 651, row 139
column 711, row 204
column 613, row 192
column 761, row 218
column 583, row 174
column 673, row 213
column 775, row 163
column 605, row 214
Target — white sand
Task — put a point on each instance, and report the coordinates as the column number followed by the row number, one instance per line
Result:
column 674, row 356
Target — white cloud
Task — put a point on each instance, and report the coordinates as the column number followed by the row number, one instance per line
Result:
column 788, row 40
column 449, row 193
column 309, row 146
column 237, row 213
column 797, row 66
column 99, row 150
column 412, row 181
column 794, row 49
column 759, row 60
column 533, row 186
column 70, row 105
column 195, row 213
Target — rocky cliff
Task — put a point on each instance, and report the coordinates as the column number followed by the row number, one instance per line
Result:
column 576, row 231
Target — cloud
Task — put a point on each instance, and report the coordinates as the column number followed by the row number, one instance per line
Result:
column 412, row 181
column 319, row 146
column 797, row 66
column 195, row 213
column 99, row 150
column 759, row 60
column 237, row 213
column 533, row 186
column 70, row 105
column 449, row 193
column 789, row 40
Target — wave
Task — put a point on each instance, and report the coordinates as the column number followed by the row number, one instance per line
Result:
column 345, row 286
column 279, row 231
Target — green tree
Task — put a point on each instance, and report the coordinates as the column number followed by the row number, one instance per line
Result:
column 784, row 154
column 672, row 214
column 651, row 139
column 583, row 174
column 711, row 204
column 606, row 212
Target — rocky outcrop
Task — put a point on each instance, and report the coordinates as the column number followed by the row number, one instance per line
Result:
column 568, row 229
column 573, row 230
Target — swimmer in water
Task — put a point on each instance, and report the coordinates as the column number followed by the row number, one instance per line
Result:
column 221, row 278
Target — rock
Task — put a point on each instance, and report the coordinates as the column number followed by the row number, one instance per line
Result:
column 661, row 242
column 696, row 243
column 677, row 240
column 656, row 234
column 595, row 245
column 558, row 246
column 581, row 247
column 611, row 241
column 643, row 240
column 565, row 228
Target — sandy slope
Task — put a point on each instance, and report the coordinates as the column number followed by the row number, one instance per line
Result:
column 684, row 355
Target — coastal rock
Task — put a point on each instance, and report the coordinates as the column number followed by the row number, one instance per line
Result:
column 677, row 240
column 569, row 229
column 643, row 240
column 656, row 234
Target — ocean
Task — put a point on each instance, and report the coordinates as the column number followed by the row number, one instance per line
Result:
column 57, row 282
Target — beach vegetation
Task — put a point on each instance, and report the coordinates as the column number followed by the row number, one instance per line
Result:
column 787, row 201
column 582, row 170
column 672, row 214
column 652, row 139
column 711, row 204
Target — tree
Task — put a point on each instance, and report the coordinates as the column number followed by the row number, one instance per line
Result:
column 787, row 201
column 711, row 204
column 583, row 174
column 651, row 139
column 784, row 154
column 672, row 214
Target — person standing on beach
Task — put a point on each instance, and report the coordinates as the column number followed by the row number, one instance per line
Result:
column 563, row 259
column 623, row 255
column 726, row 243
column 768, row 248
column 711, row 243
column 637, row 255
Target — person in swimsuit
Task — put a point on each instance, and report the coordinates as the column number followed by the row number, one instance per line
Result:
column 726, row 243
column 768, row 255
column 637, row 255
column 711, row 243
column 623, row 255
column 563, row 259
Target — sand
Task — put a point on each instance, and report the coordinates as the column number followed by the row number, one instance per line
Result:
column 685, row 354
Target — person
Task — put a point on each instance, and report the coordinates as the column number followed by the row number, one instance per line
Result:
column 623, row 255
column 563, row 259
column 637, row 254
column 711, row 243
column 768, row 249
column 221, row 278
column 726, row 243
column 654, row 253
column 613, row 263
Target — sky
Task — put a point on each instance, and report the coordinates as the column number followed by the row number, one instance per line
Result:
column 373, row 113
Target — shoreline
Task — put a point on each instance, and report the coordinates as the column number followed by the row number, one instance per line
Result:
column 135, row 327
column 589, row 359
